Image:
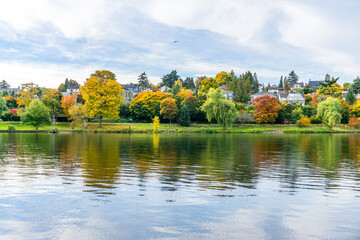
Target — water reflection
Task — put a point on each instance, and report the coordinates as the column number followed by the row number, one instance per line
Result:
column 195, row 185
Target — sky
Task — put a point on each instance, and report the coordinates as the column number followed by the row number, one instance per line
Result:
column 47, row 41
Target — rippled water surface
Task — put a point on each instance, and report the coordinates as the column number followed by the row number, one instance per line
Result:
column 114, row 186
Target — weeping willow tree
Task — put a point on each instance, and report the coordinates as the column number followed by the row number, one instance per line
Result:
column 329, row 112
column 218, row 108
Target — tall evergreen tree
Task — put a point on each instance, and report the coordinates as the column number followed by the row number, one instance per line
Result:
column 350, row 96
column 293, row 78
column 4, row 84
column 184, row 118
column 256, row 84
column 329, row 81
column 189, row 83
column 66, row 84
column 143, row 80
column 356, row 85
column 281, row 84
column 169, row 79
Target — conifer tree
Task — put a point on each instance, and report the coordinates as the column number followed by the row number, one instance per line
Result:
column 184, row 118
column 350, row 96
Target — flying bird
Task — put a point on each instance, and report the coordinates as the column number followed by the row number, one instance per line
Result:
column 176, row 41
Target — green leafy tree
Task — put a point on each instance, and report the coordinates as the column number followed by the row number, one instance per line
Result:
column 52, row 100
column 218, row 108
column 3, row 106
column 184, row 117
column 350, row 96
column 36, row 114
column 329, row 112
column 176, row 87
column 286, row 86
column 169, row 79
column 62, row 88
column 293, row 78
column 143, row 80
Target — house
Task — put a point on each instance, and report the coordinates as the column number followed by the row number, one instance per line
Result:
column 133, row 87
column 128, row 96
column 73, row 88
column 163, row 88
column 69, row 93
column 144, row 89
column 292, row 97
column 343, row 94
column 10, row 90
column 314, row 84
column 228, row 94
column 260, row 94
column 296, row 86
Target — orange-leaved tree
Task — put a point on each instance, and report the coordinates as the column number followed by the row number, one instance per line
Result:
column 169, row 109
column 102, row 98
column 266, row 109
column 67, row 102
column 146, row 105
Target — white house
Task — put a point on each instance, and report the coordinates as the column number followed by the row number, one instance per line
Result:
column 292, row 97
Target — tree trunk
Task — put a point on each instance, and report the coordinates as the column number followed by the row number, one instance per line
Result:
column 37, row 127
column 170, row 121
column 53, row 122
column 100, row 122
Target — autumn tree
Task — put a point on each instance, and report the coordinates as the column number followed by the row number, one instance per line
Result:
column 67, row 102
column 102, row 98
column 27, row 94
column 169, row 79
column 36, row 114
column 77, row 115
column 103, row 75
column 334, row 90
column 176, row 87
column 223, row 78
column 10, row 102
column 207, row 84
column 169, row 109
column 266, row 109
column 52, row 100
column 218, row 108
column 156, row 123
column 329, row 112
column 146, row 105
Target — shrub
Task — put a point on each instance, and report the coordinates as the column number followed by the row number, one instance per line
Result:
column 156, row 123
column 354, row 123
column 243, row 118
column 11, row 128
column 296, row 115
column 304, row 121
column 315, row 120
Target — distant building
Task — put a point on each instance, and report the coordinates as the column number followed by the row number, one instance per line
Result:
column 260, row 94
column 314, row 84
column 68, row 93
column 292, row 97
column 144, row 89
column 10, row 90
column 228, row 94
column 128, row 96
column 296, row 86
column 133, row 87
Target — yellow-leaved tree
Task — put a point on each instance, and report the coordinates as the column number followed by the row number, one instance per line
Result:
column 102, row 98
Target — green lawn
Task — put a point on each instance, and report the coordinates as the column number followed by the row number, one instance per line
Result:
column 175, row 128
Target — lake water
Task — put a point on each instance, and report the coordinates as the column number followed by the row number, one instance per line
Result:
column 169, row 186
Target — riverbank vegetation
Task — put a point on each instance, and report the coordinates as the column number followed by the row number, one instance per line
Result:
column 223, row 101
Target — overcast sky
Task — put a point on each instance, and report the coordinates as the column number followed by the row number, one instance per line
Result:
column 47, row 41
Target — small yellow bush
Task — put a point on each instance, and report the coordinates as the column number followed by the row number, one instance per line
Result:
column 304, row 121
column 156, row 123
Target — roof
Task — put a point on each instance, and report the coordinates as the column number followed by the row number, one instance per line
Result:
column 263, row 94
column 293, row 96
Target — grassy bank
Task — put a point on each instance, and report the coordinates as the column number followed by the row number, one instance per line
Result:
column 175, row 128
